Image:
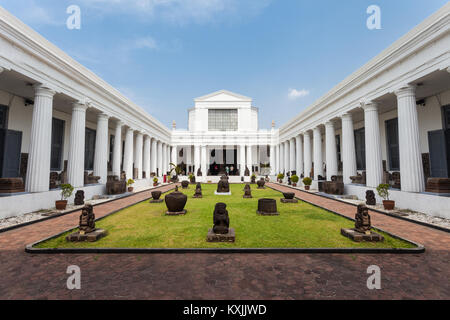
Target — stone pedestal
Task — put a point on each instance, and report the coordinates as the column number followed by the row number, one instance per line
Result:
column 90, row 237
column 156, row 201
column 216, row 237
column 179, row 213
column 288, row 200
column 222, row 193
column 358, row 236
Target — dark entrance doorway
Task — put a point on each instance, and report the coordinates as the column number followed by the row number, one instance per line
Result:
column 224, row 165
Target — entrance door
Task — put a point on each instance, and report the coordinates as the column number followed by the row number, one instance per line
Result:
column 438, row 153
column 12, row 145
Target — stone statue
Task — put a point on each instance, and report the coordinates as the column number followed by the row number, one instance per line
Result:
column 79, row 198
column 87, row 220
column 370, row 198
column 199, row 172
column 362, row 219
column 198, row 191
column 223, row 186
column 246, row 172
column 247, row 191
column 221, row 219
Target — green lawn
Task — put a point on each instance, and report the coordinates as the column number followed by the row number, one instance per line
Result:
column 301, row 225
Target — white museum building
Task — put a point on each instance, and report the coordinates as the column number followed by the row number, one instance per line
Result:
column 388, row 122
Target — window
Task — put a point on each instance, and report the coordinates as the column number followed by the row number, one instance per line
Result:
column 446, row 116
column 222, row 120
column 392, row 144
column 338, row 148
column 89, row 149
column 57, row 144
column 360, row 146
column 111, row 152
column 3, row 117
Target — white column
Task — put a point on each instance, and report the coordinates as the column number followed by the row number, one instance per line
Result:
column 174, row 155
column 138, row 159
column 277, row 159
column 282, row 157
column 196, row 158
column 331, row 151
column 117, row 151
column 75, row 163
column 128, row 154
column 250, row 158
column 318, row 161
column 307, row 153
column 153, row 156
column 292, row 163
column 348, row 148
column 411, row 167
column 204, row 161
column 101, row 148
column 374, row 165
column 286, row 156
column 299, row 156
column 242, row 159
column 147, row 156
column 272, row 160
column 38, row 170
column 159, row 158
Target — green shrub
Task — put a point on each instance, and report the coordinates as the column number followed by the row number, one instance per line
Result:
column 383, row 191
column 155, row 180
column 295, row 178
column 130, row 182
column 280, row 176
column 66, row 191
column 307, row 181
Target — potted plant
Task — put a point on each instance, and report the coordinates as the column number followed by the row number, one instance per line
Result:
column 307, row 181
column 66, row 192
column 191, row 178
column 130, row 182
column 294, row 180
column 177, row 170
column 280, row 177
column 155, row 181
column 383, row 192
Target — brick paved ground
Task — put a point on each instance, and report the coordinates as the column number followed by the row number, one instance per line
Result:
column 214, row 276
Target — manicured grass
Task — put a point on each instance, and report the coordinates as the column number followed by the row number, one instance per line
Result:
column 301, row 225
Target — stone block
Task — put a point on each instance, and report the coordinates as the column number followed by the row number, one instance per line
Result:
column 356, row 236
column 216, row 237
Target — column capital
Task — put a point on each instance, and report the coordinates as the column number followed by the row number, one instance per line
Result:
column 79, row 106
column 347, row 116
column 369, row 106
column 406, row 91
column 44, row 90
column 130, row 130
column 102, row 116
column 329, row 124
column 119, row 123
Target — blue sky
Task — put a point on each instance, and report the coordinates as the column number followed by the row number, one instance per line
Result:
column 162, row 54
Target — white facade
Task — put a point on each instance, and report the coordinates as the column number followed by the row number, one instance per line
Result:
column 406, row 87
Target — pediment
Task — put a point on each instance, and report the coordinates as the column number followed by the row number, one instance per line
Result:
column 224, row 96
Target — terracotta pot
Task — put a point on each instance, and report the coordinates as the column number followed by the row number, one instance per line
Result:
column 130, row 189
column 388, row 204
column 61, row 204
column 307, row 187
column 294, row 184
column 155, row 184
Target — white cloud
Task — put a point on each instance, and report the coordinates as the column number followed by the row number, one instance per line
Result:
column 295, row 94
column 180, row 11
column 146, row 43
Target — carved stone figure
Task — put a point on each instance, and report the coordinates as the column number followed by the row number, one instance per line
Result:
column 223, row 186
column 87, row 220
column 198, row 191
column 261, row 183
column 175, row 202
column 11, row 185
column 199, row 172
column 370, row 198
column 79, row 198
column 247, row 191
column 362, row 219
column 221, row 219
column 90, row 178
column 246, row 172
column 115, row 186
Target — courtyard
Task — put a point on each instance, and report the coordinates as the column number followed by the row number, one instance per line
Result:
column 248, row 276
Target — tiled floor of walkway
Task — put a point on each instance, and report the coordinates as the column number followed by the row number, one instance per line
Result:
column 215, row 276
